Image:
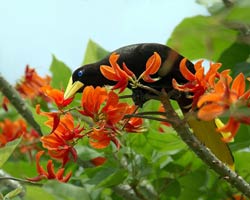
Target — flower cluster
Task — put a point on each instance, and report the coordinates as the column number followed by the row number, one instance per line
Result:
column 107, row 114
column 216, row 94
column 30, row 86
column 50, row 173
column 60, row 143
column 123, row 76
column 11, row 130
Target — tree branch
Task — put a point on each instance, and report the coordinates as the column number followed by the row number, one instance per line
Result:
column 18, row 103
column 201, row 151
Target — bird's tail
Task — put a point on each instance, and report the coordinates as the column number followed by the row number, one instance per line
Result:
column 206, row 132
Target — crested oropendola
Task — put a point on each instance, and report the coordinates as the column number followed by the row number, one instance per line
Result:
column 135, row 56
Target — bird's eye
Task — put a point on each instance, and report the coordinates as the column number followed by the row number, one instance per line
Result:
column 80, row 73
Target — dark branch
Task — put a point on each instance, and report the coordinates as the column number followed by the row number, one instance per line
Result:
column 18, row 103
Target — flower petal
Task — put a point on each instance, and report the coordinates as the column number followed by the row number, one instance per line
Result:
column 185, row 71
column 210, row 112
column 231, row 126
column 239, row 85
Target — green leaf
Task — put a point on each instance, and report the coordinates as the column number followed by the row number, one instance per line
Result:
column 239, row 14
column 87, row 153
column 114, row 179
column 99, row 174
column 20, row 169
column 173, row 189
column 37, row 193
column 60, row 73
column 201, row 37
column 94, row 52
column 192, row 187
column 165, row 142
column 234, row 56
column 6, row 151
column 66, row 191
column 140, row 145
column 241, row 164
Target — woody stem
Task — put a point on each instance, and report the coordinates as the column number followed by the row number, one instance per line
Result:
column 9, row 91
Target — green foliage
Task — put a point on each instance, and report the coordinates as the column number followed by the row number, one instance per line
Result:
column 94, row 52
column 239, row 15
column 36, row 192
column 65, row 191
column 201, row 37
column 7, row 150
column 60, row 73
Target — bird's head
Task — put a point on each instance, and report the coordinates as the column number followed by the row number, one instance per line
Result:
column 89, row 74
column 76, row 83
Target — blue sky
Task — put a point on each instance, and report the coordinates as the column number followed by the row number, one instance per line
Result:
column 31, row 31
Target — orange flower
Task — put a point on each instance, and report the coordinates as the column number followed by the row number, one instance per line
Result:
column 223, row 99
column 152, row 66
column 56, row 95
column 111, row 113
column 134, row 125
column 11, row 130
column 92, row 99
column 30, row 86
column 50, row 173
column 5, row 102
column 60, row 143
column 101, row 138
column 236, row 197
column 98, row 161
column 114, row 111
column 115, row 73
column 108, row 115
column 199, row 82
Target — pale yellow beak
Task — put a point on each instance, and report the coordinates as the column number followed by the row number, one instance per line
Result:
column 72, row 88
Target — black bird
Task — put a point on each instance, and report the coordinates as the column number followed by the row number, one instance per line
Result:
column 135, row 56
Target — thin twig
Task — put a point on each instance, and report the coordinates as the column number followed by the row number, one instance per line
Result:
column 152, row 113
column 20, row 105
column 149, row 117
column 20, row 180
column 125, row 96
column 201, row 151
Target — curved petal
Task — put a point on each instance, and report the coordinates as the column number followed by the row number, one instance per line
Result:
column 108, row 72
column 239, row 85
column 153, row 64
column 214, row 97
column 185, row 71
column 210, row 112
